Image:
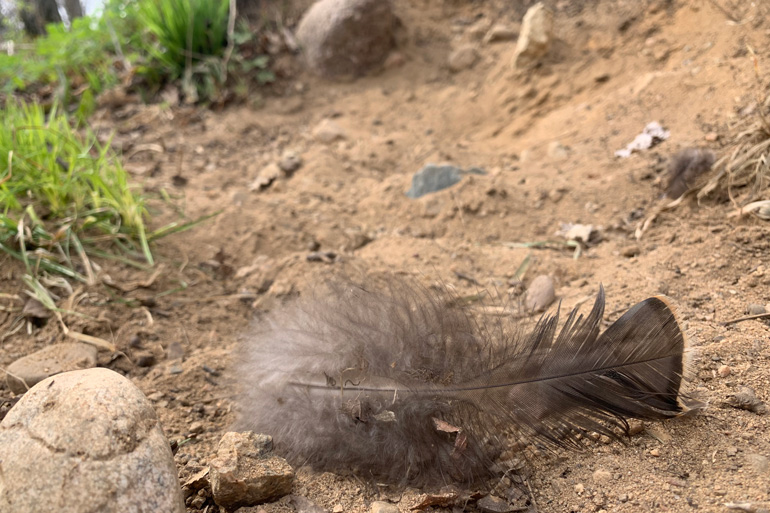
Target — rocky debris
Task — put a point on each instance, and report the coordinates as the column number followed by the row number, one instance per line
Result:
column 652, row 135
column 35, row 310
column 601, row 476
column 746, row 399
column 383, row 507
column 724, row 371
column 347, row 37
column 245, row 473
column 327, row 131
column 290, row 161
column 557, row 151
column 585, row 233
column 86, row 441
column 635, row 426
column 433, row 177
column 499, row 33
column 540, row 294
column 535, row 37
column 759, row 462
column 36, row 367
column 304, row 505
column 492, row 504
column 266, row 176
column 464, row 57
column 631, row 250
column 754, row 309
column 685, row 168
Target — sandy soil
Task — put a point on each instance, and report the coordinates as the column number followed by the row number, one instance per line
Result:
column 615, row 67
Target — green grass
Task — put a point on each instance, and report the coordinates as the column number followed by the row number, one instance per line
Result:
column 63, row 193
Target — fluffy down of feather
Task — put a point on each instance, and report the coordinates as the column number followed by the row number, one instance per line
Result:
column 393, row 383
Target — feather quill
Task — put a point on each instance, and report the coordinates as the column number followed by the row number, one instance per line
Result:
column 393, row 383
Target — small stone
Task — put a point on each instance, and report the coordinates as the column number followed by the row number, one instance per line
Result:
column 244, row 473
column 711, row 137
column 540, row 294
column 535, row 36
column 383, row 507
column 304, row 505
column 394, row 60
column 464, row 57
column 266, row 176
column 500, row 33
column 579, row 488
column 758, row 462
column 731, row 451
column 197, row 427
column 635, row 427
column 34, row 368
column 724, row 371
column 755, row 309
column 327, row 131
column 433, row 177
column 746, row 399
column 655, row 452
column 86, row 441
column 630, row 251
column 601, row 476
column 290, row 162
column 338, row 508
column 492, row 504
column 557, row 151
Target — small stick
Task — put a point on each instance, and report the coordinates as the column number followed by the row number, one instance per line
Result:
column 747, row 318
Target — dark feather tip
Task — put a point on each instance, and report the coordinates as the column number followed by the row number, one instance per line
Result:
column 685, row 168
column 393, row 383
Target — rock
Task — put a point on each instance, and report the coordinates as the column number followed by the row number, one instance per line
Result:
column 635, row 426
column 746, row 399
column 86, row 441
column 304, row 505
column 754, row 309
column 34, row 309
column 557, row 151
column 540, row 294
column 267, row 175
column 500, row 33
column 630, row 251
column 244, row 473
column 601, row 476
column 580, row 488
column 724, row 371
column 347, row 37
column 383, row 507
column 464, row 57
column 290, row 162
column 432, row 178
column 655, row 452
column 536, row 35
column 36, row 367
column 327, row 131
column 758, row 462
column 492, row 504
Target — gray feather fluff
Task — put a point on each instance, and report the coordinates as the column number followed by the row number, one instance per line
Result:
column 395, row 384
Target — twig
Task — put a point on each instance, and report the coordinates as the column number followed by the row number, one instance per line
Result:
column 230, row 40
column 724, row 11
column 747, row 318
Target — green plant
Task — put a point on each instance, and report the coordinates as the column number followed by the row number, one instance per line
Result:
column 188, row 32
column 63, row 193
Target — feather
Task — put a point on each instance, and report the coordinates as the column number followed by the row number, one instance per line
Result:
column 393, row 383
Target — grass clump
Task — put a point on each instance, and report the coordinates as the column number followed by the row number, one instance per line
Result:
column 63, row 195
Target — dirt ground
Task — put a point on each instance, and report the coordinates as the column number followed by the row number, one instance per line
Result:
column 615, row 67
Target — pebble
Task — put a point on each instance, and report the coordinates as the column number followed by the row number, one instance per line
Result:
column 635, row 426
column 290, row 161
column 50, row 360
column 245, row 473
column 580, row 488
column 499, row 33
column 540, row 294
column 492, row 504
column 85, row 441
column 601, row 476
column 630, row 251
column 432, row 178
column 328, row 131
column 724, row 371
column 655, row 452
column 754, row 309
column 557, row 151
column 266, row 176
column 464, row 57
column 383, row 507
column 758, row 462
column 746, row 399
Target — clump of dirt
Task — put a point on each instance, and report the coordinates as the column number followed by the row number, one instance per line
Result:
column 546, row 137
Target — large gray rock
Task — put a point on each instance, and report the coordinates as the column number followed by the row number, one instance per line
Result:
column 34, row 368
column 347, row 37
column 86, row 441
